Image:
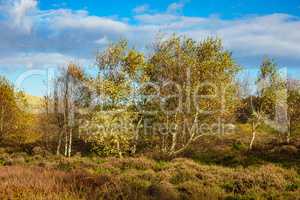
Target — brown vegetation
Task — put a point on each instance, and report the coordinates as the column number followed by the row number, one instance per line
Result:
column 143, row 178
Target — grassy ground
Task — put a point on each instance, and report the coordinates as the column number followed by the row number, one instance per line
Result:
column 144, row 178
column 214, row 168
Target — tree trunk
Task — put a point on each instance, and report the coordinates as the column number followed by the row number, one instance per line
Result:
column 59, row 143
column 174, row 136
column 2, row 122
column 136, row 137
column 182, row 149
column 174, row 142
column 66, row 144
column 253, row 136
column 191, row 139
column 48, row 122
column 289, row 132
column 119, row 149
column 70, row 143
column 66, row 113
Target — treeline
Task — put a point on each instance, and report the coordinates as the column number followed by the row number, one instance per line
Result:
column 164, row 101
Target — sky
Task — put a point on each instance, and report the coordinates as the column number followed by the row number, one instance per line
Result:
column 39, row 37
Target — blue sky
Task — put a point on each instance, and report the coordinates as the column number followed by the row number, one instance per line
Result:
column 225, row 8
column 39, row 37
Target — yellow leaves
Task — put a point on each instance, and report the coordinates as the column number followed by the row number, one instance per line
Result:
column 112, row 56
column 120, row 68
column 115, row 90
column 15, row 123
column 75, row 71
column 133, row 61
column 110, row 133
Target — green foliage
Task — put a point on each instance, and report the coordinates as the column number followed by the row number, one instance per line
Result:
column 179, row 67
column 109, row 133
column 292, row 187
column 238, row 146
column 270, row 85
column 2, row 162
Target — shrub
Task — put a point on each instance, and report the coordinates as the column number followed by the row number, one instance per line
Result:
column 64, row 166
column 287, row 150
column 140, row 163
column 38, row 151
column 2, row 161
column 163, row 191
column 292, row 187
column 195, row 191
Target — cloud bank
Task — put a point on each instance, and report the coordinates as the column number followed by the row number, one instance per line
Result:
column 35, row 38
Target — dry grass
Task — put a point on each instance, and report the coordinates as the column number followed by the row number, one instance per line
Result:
column 33, row 183
column 143, row 178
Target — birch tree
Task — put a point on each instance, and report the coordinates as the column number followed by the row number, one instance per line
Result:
column 196, row 85
column 68, row 98
column 263, row 105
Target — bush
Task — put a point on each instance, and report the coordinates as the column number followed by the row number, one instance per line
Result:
column 64, row 166
column 37, row 151
column 195, row 191
column 140, row 163
column 163, row 191
column 2, row 161
column 292, row 187
column 287, row 150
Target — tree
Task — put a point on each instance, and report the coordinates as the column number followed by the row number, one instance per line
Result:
column 120, row 74
column 293, row 107
column 17, row 126
column 194, row 83
column 122, row 71
column 177, row 65
column 51, row 121
column 69, row 95
column 269, row 86
column 8, row 109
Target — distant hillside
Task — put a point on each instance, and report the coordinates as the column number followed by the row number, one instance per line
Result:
column 34, row 102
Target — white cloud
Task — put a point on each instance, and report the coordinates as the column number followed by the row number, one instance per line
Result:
column 175, row 7
column 141, row 9
column 169, row 21
column 58, row 35
column 102, row 41
column 65, row 19
column 20, row 13
column 276, row 35
column 252, row 37
column 40, row 60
